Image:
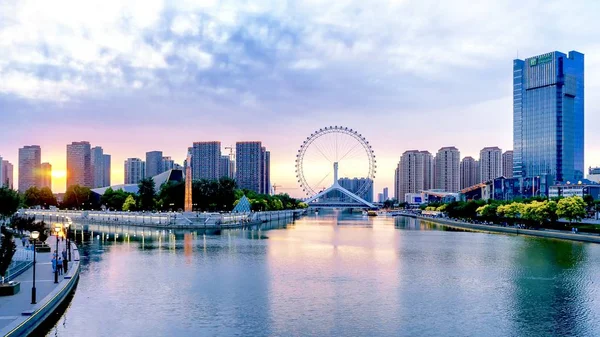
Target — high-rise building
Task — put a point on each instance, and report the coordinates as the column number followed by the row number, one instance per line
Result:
column 135, row 170
column 354, row 185
column 548, row 121
column 447, row 169
column 266, row 171
column 380, row 198
column 79, row 164
column 30, row 162
column 205, row 160
column 415, row 172
column 167, row 164
column 507, row 164
column 386, row 195
column 490, row 163
column 46, row 175
column 7, row 174
column 153, row 163
column 224, row 167
column 397, row 183
column 98, row 167
column 106, row 161
column 469, row 172
column 248, row 165
column 3, row 182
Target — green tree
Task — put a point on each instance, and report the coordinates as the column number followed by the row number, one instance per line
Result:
column 9, row 202
column 129, row 204
column 172, row 195
column 146, row 195
column 537, row 212
column 47, row 198
column 572, row 209
column 589, row 202
column 7, row 250
column 510, row 211
column 31, row 197
column 77, row 197
column 114, row 200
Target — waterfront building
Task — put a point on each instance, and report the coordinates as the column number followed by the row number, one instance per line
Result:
column 153, row 163
column 79, row 164
column 224, row 167
column 447, row 169
column 46, row 175
column 380, row 198
column 205, row 160
column 106, row 161
column 98, row 168
column 248, row 165
column 415, row 173
column 469, row 172
column 594, row 174
column 490, row 163
column 507, row 164
column 167, row 164
column 397, row 183
column 570, row 190
column 135, row 170
column 266, row 171
column 385, row 194
column 30, row 162
column 354, row 185
column 548, row 121
column 7, row 174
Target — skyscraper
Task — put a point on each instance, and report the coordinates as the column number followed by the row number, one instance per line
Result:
column 135, row 170
column 490, row 163
column 30, row 161
column 106, row 161
column 167, row 164
column 415, row 172
column 248, row 165
column 354, row 185
column 469, row 172
column 386, row 195
column 3, row 182
column 548, row 121
column 79, row 164
column 153, row 163
column 46, row 175
column 266, row 171
column 98, row 167
column 447, row 169
column 224, row 167
column 205, row 160
column 7, row 174
column 507, row 164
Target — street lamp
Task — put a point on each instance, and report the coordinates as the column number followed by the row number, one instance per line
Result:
column 68, row 242
column 34, row 236
column 56, row 230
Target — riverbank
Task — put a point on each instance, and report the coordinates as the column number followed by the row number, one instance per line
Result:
column 18, row 316
column 516, row 231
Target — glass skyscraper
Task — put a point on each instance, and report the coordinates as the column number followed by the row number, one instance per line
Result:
column 548, row 116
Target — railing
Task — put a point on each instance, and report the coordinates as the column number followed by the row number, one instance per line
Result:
column 20, row 262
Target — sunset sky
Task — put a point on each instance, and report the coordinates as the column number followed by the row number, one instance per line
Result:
column 136, row 76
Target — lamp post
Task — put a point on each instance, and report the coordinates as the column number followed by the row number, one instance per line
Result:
column 34, row 236
column 56, row 230
column 67, row 225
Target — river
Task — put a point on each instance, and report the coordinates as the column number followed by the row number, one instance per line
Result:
column 334, row 274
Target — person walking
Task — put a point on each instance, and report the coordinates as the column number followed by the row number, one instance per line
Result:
column 65, row 261
column 59, row 265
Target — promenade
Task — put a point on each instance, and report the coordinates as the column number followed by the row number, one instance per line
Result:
column 546, row 233
column 16, row 311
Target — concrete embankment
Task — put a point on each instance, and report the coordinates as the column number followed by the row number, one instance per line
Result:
column 511, row 230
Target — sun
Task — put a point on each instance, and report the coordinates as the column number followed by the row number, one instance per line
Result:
column 59, row 173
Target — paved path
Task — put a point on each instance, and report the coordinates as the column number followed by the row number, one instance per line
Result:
column 11, row 307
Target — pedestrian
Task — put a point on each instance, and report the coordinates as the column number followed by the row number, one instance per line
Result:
column 65, row 261
column 54, row 264
column 59, row 265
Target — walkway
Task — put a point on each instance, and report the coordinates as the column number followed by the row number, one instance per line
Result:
column 13, row 307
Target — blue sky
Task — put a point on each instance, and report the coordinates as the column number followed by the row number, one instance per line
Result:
column 134, row 76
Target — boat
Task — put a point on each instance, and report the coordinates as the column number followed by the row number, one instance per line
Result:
column 372, row 213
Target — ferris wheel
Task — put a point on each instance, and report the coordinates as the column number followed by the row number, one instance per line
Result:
column 335, row 152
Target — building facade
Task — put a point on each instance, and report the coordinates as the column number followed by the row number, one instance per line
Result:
column 30, row 162
column 46, row 175
column 266, row 171
column 206, row 157
column 153, row 163
column 79, row 164
column 106, row 161
column 248, row 165
column 447, row 169
column 415, row 173
column 386, row 195
column 490, row 163
column 548, row 116
column 167, row 164
column 507, row 164
column 354, row 185
column 7, row 173
column 469, row 172
column 224, row 167
column 135, row 170
column 98, row 167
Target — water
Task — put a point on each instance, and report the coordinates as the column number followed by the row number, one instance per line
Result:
column 334, row 275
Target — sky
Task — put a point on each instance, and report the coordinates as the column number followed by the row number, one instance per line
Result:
column 136, row 76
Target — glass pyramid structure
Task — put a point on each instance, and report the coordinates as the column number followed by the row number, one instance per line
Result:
column 243, row 206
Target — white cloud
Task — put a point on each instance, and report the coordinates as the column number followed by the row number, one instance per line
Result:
column 186, row 25
column 196, row 55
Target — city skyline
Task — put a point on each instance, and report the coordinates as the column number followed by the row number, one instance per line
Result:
column 123, row 91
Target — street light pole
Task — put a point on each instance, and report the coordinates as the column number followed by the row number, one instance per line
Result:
column 56, row 229
column 34, row 236
column 67, row 226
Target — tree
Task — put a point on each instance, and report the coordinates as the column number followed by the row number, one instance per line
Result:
column 129, row 204
column 172, row 195
column 47, row 198
column 146, row 195
column 488, row 211
column 31, row 197
column 572, row 208
column 510, row 211
column 114, row 200
column 537, row 212
column 589, row 202
column 77, row 197
column 9, row 202
column 7, row 250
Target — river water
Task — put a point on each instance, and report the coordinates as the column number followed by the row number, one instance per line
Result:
column 334, row 274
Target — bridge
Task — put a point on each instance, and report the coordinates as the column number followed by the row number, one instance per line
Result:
column 320, row 200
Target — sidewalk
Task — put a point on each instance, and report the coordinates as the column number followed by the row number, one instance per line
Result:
column 12, row 307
